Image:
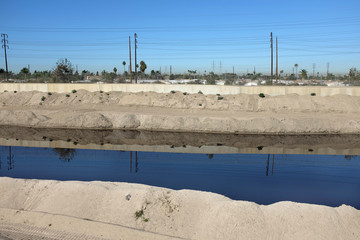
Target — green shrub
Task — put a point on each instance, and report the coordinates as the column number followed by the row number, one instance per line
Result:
column 261, row 95
column 185, row 93
column 172, row 91
column 139, row 214
column 49, row 93
column 67, row 95
column 200, row 92
column 5, row 90
column 313, row 94
column 220, row 98
column 43, row 98
column 15, row 91
column 73, row 91
column 101, row 91
column 218, row 94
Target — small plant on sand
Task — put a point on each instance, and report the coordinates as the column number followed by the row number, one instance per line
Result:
column 218, row 94
column 49, row 93
column 73, row 91
column 101, row 91
column 261, row 95
column 200, row 92
column 67, row 95
column 15, row 91
column 43, row 98
column 185, row 93
column 139, row 214
column 172, row 91
column 313, row 94
column 220, row 98
column 5, row 90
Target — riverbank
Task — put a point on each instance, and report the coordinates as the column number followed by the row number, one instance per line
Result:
column 182, row 112
column 104, row 210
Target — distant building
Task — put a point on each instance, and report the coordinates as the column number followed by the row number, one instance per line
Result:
column 93, row 78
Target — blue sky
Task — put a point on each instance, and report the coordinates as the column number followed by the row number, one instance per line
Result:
column 198, row 35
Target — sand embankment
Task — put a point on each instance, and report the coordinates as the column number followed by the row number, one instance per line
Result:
column 133, row 211
column 241, row 113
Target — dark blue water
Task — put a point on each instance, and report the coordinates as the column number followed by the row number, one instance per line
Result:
column 261, row 178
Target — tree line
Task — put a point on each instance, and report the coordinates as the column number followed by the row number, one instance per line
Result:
column 63, row 72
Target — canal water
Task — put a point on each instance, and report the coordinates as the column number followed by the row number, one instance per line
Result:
column 262, row 178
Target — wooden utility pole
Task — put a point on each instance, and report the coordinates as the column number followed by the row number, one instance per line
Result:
column 135, row 36
column 5, row 41
column 130, row 57
column 272, row 56
column 276, row 60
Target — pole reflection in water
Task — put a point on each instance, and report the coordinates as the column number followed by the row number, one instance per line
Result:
column 136, row 162
column 10, row 159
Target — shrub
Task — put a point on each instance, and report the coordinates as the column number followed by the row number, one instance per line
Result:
column 43, row 98
column 101, row 91
column 220, row 98
column 200, row 92
column 172, row 91
column 185, row 93
column 15, row 91
column 313, row 94
column 49, row 93
column 261, row 95
column 5, row 90
column 73, row 91
column 218, row 94
column 67, row 95
column 139, row 214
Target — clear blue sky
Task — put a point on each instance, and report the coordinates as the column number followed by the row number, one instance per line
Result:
column 190, row 34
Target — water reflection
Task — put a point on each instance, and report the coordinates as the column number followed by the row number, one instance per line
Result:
column 349, row 157
column 136, row 162
column 181, row 142
column 262, row 178
column 65, row 154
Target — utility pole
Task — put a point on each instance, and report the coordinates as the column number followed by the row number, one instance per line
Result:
column 276, row 60
column 327, row 69
column 135, row 36
column 130, row 57
column 5, row 42
column 272, row 57
column 313, row 70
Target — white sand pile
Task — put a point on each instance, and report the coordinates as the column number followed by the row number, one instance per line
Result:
column 133, row 211
column 178, row 112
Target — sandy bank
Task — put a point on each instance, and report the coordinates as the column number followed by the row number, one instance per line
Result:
column 185, row 113
column 133, row 211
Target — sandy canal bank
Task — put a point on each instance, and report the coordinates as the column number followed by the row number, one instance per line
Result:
column 105, row 210
column 182, row 112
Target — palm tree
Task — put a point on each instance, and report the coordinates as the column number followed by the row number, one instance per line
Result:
column 124, row 63
column 303, row 74
column 296, row 66
column 115, row 70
